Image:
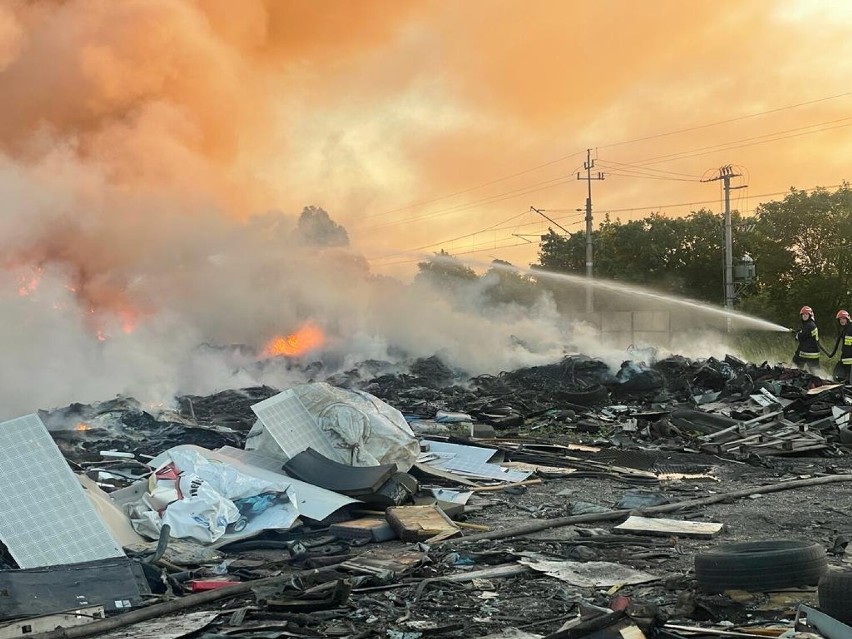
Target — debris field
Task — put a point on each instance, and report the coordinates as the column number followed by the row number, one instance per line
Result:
column 669, row 498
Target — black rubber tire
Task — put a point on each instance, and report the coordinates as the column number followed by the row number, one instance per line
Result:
column 760, row 566
column 707, row 419
column 595, row 395
column 835, row 594
column 689, row 426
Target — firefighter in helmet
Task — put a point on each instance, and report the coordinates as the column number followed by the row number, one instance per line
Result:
column 843, row 370
column 807, row 353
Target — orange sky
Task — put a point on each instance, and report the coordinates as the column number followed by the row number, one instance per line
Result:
column 154, row 155
column 380, row 111
column 461, row 94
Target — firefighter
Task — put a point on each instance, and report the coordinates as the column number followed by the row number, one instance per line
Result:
column 807, row 353
column 843, row 369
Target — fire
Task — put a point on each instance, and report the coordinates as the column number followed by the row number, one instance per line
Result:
column 307, row 338
column 82, row 426
column 124, row 316
column 129, row 320
column 27, row 284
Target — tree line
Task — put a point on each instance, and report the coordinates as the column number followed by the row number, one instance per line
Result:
column 800, row 246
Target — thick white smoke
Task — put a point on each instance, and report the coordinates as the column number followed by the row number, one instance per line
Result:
column 133, row 249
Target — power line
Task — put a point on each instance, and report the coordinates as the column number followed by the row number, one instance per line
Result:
column 493, row 227
column 728, row 121
column 489, row 245
column 649, row 169
column 624, row 173
column 752, row 141
column 621, row 210
column 611, row 145
column 485, row 230
column 477, row 187
column 498, row 197
column 714, row 201
column 488, row 248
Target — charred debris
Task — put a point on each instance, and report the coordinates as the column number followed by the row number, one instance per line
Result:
column 669, row 498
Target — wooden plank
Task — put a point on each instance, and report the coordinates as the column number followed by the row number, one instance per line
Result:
column 670, row 527
column 739, row 442
column 794, row 451
column 797, row 444
column 710, row 631
column 730, row 430
column 711, row 449
column 762, row 418
column 419, row 523
column 426, row 469
column 747, row 441
column 821, row 389
column 526, row 482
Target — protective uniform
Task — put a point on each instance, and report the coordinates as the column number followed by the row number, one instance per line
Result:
column 807, row 354
column 843, row 369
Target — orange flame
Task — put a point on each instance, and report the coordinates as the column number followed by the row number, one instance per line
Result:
column 307, row 338
column 27, row 285
column 82, row 426
column 129, row 320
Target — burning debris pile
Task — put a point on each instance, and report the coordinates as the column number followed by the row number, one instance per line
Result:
column 566, row 500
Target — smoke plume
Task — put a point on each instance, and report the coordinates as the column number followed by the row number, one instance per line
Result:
column 148, row 147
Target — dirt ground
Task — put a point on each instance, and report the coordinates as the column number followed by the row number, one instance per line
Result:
column 540, row 604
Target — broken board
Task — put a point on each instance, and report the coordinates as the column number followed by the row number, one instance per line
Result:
column 589, row 574
column 669, row 527
column 47, row 518
column 36, row 625
column 173, row 627
column 367, row 529
column 117, row 584
column 290, row 424
column 419, row 523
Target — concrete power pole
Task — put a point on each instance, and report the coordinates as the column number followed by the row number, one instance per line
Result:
column 588, row 165
column 725, row 174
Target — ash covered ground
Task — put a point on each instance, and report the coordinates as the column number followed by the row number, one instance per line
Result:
column 594, row 436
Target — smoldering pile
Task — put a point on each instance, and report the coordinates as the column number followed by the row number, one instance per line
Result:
column 388, row 478
column 658, row 403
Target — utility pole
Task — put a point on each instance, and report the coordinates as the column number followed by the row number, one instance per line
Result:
column 725, row 174
column 589, row 165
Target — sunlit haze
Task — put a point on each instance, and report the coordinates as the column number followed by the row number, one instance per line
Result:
column 155, row 154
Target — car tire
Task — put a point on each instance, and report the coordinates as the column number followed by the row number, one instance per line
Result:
column 835, row 595
column 761, row 566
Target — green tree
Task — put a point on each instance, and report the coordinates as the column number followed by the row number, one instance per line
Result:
column 506, row 285
column 315, row 227
column 801, row 247
column 444, row 272
column 680, row 256
column 562, row 253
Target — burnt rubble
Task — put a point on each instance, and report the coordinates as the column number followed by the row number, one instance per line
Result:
column 563, row 500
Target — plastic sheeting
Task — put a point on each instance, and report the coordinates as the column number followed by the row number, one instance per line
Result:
column 209, row 500
column 311, row 501
column 361, row 429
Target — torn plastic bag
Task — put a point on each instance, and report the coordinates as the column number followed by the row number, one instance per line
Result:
column 362, row 429
column 203, row 514
column 223, row 478
column 209, row 500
